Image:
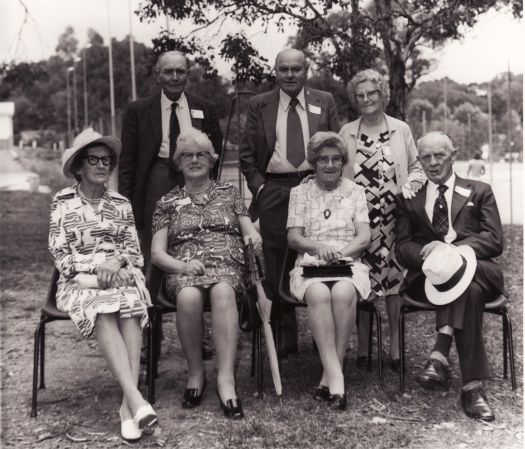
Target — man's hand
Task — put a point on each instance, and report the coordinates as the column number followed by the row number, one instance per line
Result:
column 107, row 271
column 429, row 247
column 194, row 268
column 410, row 189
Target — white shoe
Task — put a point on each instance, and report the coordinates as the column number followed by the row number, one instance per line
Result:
column 145, row 416
column 129, row 431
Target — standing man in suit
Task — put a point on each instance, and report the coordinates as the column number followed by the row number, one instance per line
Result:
column 447, row 237
column 273, row 160
column 149, row 133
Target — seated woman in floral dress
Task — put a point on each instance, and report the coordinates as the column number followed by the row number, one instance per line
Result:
column 328, row 221
column 198, row 235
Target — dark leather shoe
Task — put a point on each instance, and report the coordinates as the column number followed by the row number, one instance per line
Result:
column 192, row 397
column 338, row 401
column 435, row 376
column 395, row 365
column 284, row 352
column 475, row 405
column 322, row 392
column 232, row 409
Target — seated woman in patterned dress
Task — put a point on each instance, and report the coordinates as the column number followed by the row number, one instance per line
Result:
column 198, row 235
column 328, row 221
column 94, row 244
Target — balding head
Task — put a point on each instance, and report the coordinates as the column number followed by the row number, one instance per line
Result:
column 291, row 70
column 172, row 73
column 437, row 154
column 434, row 137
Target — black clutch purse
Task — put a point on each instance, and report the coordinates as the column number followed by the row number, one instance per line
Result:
column 342, row 268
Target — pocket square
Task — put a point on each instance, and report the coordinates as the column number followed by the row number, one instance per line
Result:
column 470, row 203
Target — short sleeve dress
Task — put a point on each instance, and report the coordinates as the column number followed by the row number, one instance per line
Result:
column 80, row 238
column 307, row 209
column 205, row 229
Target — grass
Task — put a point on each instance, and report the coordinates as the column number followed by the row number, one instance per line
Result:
column 79, row 406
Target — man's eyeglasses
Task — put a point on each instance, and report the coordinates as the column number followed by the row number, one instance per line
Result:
column 325, row 160
column 200, row 155
column 93, row 160
column 372, row 95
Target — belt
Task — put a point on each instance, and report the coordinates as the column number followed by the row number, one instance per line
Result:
column 162, row 160
column 291, row 175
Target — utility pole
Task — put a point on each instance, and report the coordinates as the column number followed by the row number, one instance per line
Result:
column 424, row 121
column 111, row 85
column 84, row 85
column 469, row 121
column 491, row 149
column 75, row 105
column 132, row 56
column 445, row 113
column 509, row 138
column 68, row 97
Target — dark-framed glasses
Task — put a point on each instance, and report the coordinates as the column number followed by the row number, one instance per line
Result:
column 93, row 160
column 371, row 95
column 200, row 155
column 325, row 160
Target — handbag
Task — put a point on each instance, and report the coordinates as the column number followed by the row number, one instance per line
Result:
column 342, row 268
column 249, row 318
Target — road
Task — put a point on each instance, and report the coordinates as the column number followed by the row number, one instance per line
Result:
column 13, row 176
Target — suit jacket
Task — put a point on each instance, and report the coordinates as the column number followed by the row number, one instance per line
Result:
column 141, row 138
column 259, row 134
column 475, row 218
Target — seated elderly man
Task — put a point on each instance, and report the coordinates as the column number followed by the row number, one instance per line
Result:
column 447, row 237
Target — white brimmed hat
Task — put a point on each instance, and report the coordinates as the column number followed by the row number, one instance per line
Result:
column 85, row 138
column 449, row 271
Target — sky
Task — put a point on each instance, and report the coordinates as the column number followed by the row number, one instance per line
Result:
column 487, row 49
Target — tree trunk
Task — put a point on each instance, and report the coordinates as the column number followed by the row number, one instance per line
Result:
column 396, row 107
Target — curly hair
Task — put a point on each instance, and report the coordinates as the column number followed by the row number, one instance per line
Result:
column 325, row 139
column 374, row 77
column 193, row 138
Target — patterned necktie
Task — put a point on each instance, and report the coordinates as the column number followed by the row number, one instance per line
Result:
column 440, row 214
column 294, row 135
column 174, row 132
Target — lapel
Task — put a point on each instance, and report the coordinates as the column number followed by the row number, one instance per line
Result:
column 458, row 200
column 313, row 119
column 269, row 116
column 155, row 116
column 418, row 205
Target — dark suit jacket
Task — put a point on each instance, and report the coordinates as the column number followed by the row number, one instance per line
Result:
column 141, row 138
column 475, row 218
column 259, row 134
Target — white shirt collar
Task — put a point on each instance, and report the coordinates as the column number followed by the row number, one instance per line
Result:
column 166, row 103
column 449, row 183
column 284, row 99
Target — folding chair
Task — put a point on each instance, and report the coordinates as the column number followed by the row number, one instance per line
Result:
column 497, row 307
column 369, row 307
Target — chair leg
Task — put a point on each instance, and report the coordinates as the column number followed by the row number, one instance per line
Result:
column 254, row 344
column 258, row 340
column 370, row 336
column 42, row 352
column 508, row 323
column 151, row 363
column 402, row 351
column 505, row 346
column 36, row 354
column 379, row 338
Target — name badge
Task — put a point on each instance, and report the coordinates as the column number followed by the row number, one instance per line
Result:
column 462, row 191
column 314, row 109
column 196, row 113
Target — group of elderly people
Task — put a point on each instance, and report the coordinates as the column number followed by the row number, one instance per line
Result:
column 344, row 211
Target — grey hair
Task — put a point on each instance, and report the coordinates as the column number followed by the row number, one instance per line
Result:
column 325, row 139
column 177, row 52
column 447, row 138
column 193, row 138
column 374, row 77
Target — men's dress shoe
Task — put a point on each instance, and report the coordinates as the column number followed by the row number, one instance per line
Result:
column 338, row 401
column 192, row 397
column 395, row 365
column 475, row 405
column 232, row 409
column 321, row 392
column 284, row 352
column 145, row 416
column 435, row 376
column 129, row 431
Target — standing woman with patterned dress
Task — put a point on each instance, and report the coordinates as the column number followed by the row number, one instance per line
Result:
column 385, row 164
column 94, row 244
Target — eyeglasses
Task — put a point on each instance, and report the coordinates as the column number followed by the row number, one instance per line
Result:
column 325, row 160
column 372, row 95
column 93, row 160
column 200, row 155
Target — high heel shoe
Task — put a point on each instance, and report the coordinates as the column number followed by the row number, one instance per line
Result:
column 232, row 409
column 129, row 431
column 338, row 401
column 192, row 397
column 145, row 416
column 322, row 392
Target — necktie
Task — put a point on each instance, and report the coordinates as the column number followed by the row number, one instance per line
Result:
column 174, row 132
column 440, row 214
column 294, row 135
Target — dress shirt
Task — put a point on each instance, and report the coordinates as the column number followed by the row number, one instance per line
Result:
column 432, row 194
column 278, row 162
column 183, row 115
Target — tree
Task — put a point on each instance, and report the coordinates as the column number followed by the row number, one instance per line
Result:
column 342, row 35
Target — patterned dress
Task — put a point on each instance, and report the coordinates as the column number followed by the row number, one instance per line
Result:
column 80, row 239
column 374, row 170
column 347, row 206
column 205, row 229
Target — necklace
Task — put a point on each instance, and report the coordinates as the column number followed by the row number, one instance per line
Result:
column 327, row 213
column 91, row 201
column 200, row 191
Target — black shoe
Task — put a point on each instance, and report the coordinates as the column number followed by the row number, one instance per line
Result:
column 362, row 362
column 192, row 397
column 321, row 392
column 338, row 401
column 284, row 352
column 395, row 365
column 435, row 376
column 475, row 405
column 232, row 409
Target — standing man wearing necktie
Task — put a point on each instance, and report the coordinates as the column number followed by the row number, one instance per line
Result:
column 447, row 237
column 273, row 160
column 149, row 133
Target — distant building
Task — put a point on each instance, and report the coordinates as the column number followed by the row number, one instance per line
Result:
column 7, row 110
